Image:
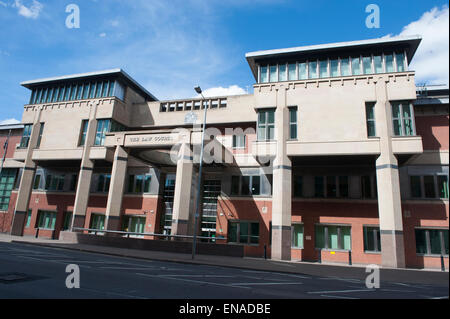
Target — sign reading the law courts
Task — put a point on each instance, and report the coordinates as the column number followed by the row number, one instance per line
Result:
column 149, row 140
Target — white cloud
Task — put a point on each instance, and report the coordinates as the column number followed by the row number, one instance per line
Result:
column 102, row 35
column 221, row 91
column 3, row 4
column 31, row 12
column 431, row 60
column 9, row 122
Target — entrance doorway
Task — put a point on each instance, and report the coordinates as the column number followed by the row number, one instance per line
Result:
column 211, row 192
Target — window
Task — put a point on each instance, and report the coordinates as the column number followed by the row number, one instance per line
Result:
column 273, row 73
column 302, row 71
column 67, row 221
column 246, row 233
column 334, row 68
column 41, row 131
column 389, row 60
column 54, row 182
column 103, row 127
column 104, row 181
column 239, row 141
column 356, row 66
column 372, row 239
column 266, row 125
column 345, row 67
column 293, row 71
column 378, row 63
column 37, row 181
column 333, row 237
column 312, row 68
column 293, row 123
column 97, row 222
column 331, row 186
column 134, row 224
column 370, row 116
column 297, row 236
column 73, row 182
column 367, row 65
column 7, row 179
column 429, row 186
column 343, row 186
column 28, row 224
column 282, row 72
column 403, row 118
column 139, row 183
column 298, row 186
column 366, row 187
column 246, row 185
column 319, row 187
column 400, row 59
column 67, row 94
column 86, row 91
column 46, row 220
column 26, row 136
column 84, row 128
column 323, row 69
column 264, row 74
column 432, row 241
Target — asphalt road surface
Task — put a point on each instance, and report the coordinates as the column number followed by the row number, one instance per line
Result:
column 30, row 272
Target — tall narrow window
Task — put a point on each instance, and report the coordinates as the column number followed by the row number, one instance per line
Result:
column 331, row 187
column 41, row 131
column 297, row 236
column 266, row 125
column 302, row 71
column 298, row 186
column 323, row 69
column 103, row 127
column 67, row 94
column 416, row 189
column 293, row 71
column 356, row 66
column 367, row 65
column 334, row 68
column 378, row 63
column 25, row 141
column 264, row 74
column 74, row 92
column 389, row 60
column 428, row 182
column 293, row 123
column 366, row 187
column 345, row 67
column 403, row 119
column 33, row 94
column 372, row 239
column 84, row 128
column 86, row 91
column 370, row 115
column 443, row 186
column 400, row 59
column 273, row 73
column 319, row 187
column 239, row 141
column 343, row 186
column 282, row 72
column 312, row 69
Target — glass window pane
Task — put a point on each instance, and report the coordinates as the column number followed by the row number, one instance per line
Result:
column 343, row 186
column 356, row 67
column 319, row 191
column 293, row 115
column 293, row 131
column 369, row 240
column 292, row 72
column 367, row 65
column 105, row 89
column 445, row 234
column 312, row 70
column 435, row 241
column 302, row 74
column 378, row 63
column 333, row 237
column 271, row 117
column 235, row 185
column 264, row 74
column 298, row 186
column 99, row 89
column 320, row 236
column 67, row 94
column 273, row 73
column 323, row 69
column 283, row 72
column 397, row 128
column 416, row 191
column 232, row 232
column 389, row 63
column 334, row 68
column 429, row 186
column 421, row 241
column 245, row 187
column 254, row 228
column 345, row 67
column 74, row 93
column 92, row 91
column 86, row 91
column 111, row 88
column 400, row 59
column 331, row 186
column 346, row 238
column 297, row 236
column 148, row 180
column 443, row 186
column 256, row 185
column 243, row 232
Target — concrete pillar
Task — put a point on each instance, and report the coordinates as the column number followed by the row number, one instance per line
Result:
column 282, row 184
column 183, row 192
column 27, row 180
column 116, row 189
column 86, row 171
column 388, row 184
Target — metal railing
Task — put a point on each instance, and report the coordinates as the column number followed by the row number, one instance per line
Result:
column 128, row 234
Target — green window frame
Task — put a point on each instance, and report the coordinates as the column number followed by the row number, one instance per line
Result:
column 97, row 221
column 266, row 125
column 432, row 242
column 297, row 236
column 370, row 117
column 293, row 131
column 333, row 237
column 403, row 118
column 372, row 239
column 243, row 232
column 7, row 181
column 46, row 220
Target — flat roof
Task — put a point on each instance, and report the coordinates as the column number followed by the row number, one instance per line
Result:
column 411, row 43
column 82, row 76
column 11, row 127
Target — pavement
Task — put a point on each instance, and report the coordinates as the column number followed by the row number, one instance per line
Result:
column 405, row 276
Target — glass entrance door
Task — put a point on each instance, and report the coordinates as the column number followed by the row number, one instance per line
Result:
column 169, row 190
column 211, row 192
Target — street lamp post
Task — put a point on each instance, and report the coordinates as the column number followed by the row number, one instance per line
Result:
column 197, row 208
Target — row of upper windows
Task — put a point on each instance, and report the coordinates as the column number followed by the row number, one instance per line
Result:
column 192, row 105
column 77, row 91
column 344, row 66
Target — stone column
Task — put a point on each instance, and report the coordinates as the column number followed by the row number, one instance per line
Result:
column 282, row 181
column 27, row 180
column 86, row 171
column 388, row 184
column 116, row 189
column 183, row 192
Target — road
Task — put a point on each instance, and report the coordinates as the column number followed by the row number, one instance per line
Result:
column 29, row 271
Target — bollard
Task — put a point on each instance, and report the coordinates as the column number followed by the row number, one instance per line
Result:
column 320, row 257
column 350, row 258
column 265, row 252
column 442, row 263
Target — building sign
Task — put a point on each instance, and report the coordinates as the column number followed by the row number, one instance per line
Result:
column 149, row 140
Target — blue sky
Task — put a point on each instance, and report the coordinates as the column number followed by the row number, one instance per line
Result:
column 170, row 46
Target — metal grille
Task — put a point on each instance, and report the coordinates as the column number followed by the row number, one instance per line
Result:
column 211, row 192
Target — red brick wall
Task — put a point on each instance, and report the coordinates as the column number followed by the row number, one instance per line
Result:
column 434, row 131
column 13, row 141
